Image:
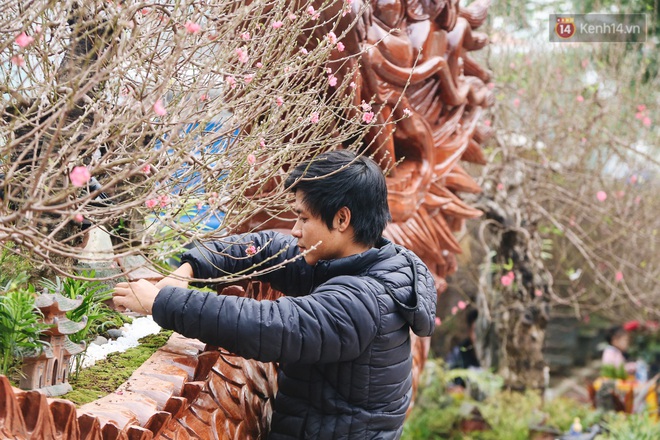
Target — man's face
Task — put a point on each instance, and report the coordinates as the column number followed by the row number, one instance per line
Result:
column 310, row 230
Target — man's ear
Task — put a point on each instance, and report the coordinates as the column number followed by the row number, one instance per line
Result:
column 342, row 219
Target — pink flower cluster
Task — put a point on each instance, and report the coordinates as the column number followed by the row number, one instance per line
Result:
column 162, row 201
column 242, row 55
column 23, row 40
column 368, row 115
column 642, row 114
column 311, row 11
column 507, row 278
column 192, row 27
column 79, row 176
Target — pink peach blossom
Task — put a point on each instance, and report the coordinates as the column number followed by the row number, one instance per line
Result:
column 314, row 117
column 454, row 310
column 516, row 102
column 245, row 35
column 407, row 113
column 151, row 203
column 507, row 279
column 462, row 305
column 368, row 117
column 340, row 46
column 163, row 200
column 366, row 107
column 251, row 250
column 303, row 51
column 159, row 109
column 633, row 179
column 23, row 40
column 242, row 55
column 487, row 123
column 192, row 27
column 18, row 60
column 248, row 79
column 641, row 108
column 332, row 80
column 500, row 186
column 310, row 10
column 251, row 159
column 580, row 98
column 277, row 24
column 78, row 218
column 262, row 143
column 79, row 176
column 646, row 121
column 146, row 168
column 491, row 86
column 601, row 196
column 352, row 85
column 231, row 81
column 438, row 321
column 332, row 38
column 538, row 292
column 639, row 115
column 292, row 16
column 618, row 277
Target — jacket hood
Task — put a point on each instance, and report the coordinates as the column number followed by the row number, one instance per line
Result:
column 403, row 275
column 412, row 288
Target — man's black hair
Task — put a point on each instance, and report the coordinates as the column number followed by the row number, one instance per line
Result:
column 339, row 178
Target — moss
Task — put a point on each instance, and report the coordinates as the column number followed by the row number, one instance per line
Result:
column 107, row 375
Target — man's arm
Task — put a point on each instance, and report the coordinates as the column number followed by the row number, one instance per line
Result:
column 247, row 253
column 334, row 324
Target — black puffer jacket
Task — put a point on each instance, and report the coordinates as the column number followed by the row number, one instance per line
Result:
column 341, row 336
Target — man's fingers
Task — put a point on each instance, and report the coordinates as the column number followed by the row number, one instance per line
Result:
column 119, row 303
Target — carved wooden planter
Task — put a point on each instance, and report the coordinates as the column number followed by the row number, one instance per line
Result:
column 181, row 392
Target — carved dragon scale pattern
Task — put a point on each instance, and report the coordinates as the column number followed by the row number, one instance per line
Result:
column 416, row 55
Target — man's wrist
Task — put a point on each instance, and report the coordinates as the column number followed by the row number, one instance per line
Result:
column 184, row 271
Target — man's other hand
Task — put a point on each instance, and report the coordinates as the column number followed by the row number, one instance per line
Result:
column 138, row 296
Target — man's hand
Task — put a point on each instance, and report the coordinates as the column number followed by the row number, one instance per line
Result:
column 138, row 296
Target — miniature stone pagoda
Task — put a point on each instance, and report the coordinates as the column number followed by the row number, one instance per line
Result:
column 48, row 371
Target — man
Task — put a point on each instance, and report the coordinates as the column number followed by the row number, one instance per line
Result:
column 342, row 333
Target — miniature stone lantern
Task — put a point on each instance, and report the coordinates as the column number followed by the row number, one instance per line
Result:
column 48, row 371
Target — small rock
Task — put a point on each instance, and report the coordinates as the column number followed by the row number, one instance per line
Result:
column 100, row 340
column 114, row 333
